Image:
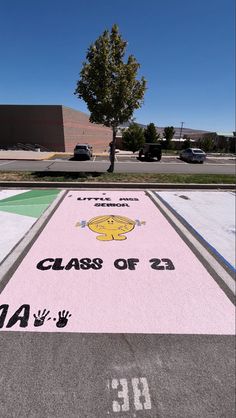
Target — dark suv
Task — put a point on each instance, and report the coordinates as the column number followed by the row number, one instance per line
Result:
column 150, row 151
column 83, row 151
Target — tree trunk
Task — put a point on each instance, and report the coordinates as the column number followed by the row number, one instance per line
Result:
column 112, row 150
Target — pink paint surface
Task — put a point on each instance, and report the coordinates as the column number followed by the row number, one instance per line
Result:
column 186, row 300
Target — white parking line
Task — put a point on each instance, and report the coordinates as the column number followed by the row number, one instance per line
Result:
column 9, row 162
column 150, row 163
column 219, row 164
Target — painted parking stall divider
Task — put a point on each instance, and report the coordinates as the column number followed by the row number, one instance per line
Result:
column 109, row 262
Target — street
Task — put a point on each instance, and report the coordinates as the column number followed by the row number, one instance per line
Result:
column 124, row 164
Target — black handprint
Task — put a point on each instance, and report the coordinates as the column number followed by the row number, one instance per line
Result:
column 39, row 319
column 63, row 319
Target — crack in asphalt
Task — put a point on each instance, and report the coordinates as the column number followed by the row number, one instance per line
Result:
column 139, row 368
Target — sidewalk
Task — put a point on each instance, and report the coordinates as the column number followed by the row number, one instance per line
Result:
column 25, row 155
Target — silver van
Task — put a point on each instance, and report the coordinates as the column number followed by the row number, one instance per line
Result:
column 192, row 155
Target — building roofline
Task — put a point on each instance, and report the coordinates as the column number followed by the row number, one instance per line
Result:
column 44, row 105
column 31, row 105
column 75, row 110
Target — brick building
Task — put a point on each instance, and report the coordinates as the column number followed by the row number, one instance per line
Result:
column 54, row 127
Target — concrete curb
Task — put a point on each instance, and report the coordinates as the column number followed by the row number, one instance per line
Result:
column 113, row 185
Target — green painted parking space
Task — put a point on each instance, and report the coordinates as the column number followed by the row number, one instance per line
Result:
column 19, row 210
column 31, row 203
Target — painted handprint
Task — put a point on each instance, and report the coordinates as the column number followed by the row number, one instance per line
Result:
column 40, row 318
column 63, row 318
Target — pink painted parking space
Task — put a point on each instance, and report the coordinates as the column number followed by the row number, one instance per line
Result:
column 109, row 262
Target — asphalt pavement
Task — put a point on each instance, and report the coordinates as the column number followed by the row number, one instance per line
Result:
column 122, row 165
column 99, row 375
column 125, row 162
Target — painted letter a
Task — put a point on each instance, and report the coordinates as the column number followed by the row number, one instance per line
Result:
column 3, row 314
column 22, row 315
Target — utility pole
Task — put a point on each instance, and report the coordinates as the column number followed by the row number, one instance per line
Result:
column 180, row 135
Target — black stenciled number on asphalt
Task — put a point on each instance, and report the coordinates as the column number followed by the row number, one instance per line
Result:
column 156, row 264
column 40, row 318
column 63, row 319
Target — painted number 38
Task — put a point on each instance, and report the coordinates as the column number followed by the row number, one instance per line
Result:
column 130, row 394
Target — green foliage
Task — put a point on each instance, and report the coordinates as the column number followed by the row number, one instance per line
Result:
column 107, row 84
column 150, row 133
column 168, row 135
column 133, row 138
column 117, row 177
column 186, row 144
column 208, row 142
column 232, row 145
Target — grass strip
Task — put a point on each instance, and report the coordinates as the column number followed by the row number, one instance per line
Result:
column 118, row 177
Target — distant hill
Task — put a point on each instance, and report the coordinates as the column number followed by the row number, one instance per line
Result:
column 192, row 133
column 126, row 125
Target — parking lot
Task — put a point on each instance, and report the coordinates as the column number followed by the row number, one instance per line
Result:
column 165, row 159
column 123, row 164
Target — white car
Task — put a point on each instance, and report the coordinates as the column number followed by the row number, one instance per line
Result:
column 83, row 151
column 193, row 155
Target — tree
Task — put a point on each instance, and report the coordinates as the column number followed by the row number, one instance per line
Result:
column 208, row 141
column 187, row 142
column 133, row 138
column 168, row 135
column 108, row 85
column 150, row 133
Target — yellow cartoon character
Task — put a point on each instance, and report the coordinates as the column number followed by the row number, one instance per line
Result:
column 110, row 227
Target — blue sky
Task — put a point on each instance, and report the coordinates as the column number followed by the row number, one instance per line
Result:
column 185, row 49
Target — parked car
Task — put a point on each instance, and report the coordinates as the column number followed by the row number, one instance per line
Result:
column 83, row 151
column 193, row 155
column 150, row 151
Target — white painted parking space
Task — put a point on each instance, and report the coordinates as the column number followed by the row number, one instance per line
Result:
column 212, row 217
